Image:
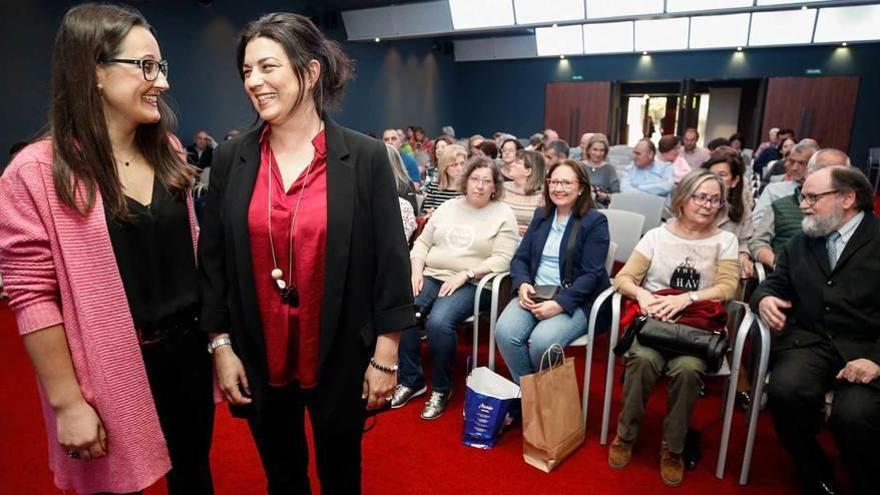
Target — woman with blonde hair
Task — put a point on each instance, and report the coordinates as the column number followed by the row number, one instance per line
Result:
column 700, row 261
column 406, row 192
column 449, row 167
column 603, row 176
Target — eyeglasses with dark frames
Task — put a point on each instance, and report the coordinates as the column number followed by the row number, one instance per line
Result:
column 812, row 199
column 151, row 68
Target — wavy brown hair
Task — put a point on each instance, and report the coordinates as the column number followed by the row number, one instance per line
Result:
column 83, row 155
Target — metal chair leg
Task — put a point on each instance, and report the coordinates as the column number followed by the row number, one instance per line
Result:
column 609, row 371
column 758, row 391
column 588, row 362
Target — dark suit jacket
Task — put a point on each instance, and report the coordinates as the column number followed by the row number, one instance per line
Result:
column 588, row 273
column 203, row 162
column 840, row 306
column 367, row 276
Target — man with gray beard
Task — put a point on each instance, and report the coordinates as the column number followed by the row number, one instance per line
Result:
column 823, row 304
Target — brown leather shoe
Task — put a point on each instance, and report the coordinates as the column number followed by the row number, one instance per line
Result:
column 620, row 453
column 671, row 467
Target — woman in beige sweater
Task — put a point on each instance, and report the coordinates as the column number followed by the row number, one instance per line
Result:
column 466, row 239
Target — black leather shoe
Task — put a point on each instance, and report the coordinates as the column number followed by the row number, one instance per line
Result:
column 826, row 487
column 743, row 400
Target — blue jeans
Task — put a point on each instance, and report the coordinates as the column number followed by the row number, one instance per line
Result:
column 523, row 339
column 445, row 314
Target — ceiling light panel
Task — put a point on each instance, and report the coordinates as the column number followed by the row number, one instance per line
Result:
column 561, row 40
column 858, row 23
column 474, row 14
column 785, row 27
column 622, row 8
column 719, row 31
column 541, row 11
column 701, row 5
column 662, row 34
column 608, row 37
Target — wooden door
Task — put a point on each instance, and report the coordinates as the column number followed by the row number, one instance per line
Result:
column 821, row 108
column 572, row 109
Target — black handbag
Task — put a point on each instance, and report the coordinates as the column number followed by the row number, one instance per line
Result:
column 672, row 338
column 549, row 292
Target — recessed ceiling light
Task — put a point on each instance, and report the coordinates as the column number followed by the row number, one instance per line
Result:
column 562, row 57
column 739, row 48
column 843, row 44
column 644, row 53
column 804, row 7
column 555, row 25
column 377, row 40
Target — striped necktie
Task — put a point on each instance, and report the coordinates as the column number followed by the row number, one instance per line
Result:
column 831, row 245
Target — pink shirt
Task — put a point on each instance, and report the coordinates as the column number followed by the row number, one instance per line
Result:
column 58, row 267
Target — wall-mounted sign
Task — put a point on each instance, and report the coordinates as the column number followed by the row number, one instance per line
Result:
column 814, row 72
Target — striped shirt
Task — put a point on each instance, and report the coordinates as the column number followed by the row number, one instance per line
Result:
column 434, row 196
column 523, row 205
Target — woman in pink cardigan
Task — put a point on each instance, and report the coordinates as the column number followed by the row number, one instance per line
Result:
column 97, row 248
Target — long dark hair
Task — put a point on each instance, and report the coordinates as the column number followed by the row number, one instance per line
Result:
column 735, row 204
column 584, row 202
column 302, row 41
column 83, row 154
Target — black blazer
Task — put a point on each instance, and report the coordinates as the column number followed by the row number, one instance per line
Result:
column 840, row 306
column 367, row 287
column 588, row 273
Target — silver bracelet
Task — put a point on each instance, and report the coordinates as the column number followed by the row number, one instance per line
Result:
column 383, row 368
column 218, row 342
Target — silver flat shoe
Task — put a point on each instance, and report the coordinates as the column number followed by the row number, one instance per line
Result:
column 402, row 394
column 435, row 406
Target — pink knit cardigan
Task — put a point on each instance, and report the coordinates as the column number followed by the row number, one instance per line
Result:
column 59, row 268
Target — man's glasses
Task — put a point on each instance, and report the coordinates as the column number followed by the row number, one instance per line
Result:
column 811, row 199
column 705, row 199
column 151, row 68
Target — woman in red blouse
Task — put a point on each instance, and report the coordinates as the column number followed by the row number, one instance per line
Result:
column 304, row 281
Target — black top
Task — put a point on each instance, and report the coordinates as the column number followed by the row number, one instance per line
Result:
column 154, row 253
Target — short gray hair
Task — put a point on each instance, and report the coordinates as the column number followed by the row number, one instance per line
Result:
column 833, row 157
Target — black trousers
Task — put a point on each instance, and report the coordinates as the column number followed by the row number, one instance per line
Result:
column 279, row 433
column 801, row 377
column 180, row 373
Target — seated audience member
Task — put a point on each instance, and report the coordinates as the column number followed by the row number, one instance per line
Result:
column 736, row 142
column 448, row 131
column 420, row 141
column 449, row 167
column 403, row 185
column 528, row 327
column 508, row 150
column 693, row 154
column 715, row 143
column 466, row 239
column 771, row 141
column 669, row 149
column 776, row 170
column 772, row 152
column 708, row 254
column 796, row 169
column 554, row 152
column 404, row 140
column 522, row 193
column 201, row 151
column 549, row 136
column 390, row 137
column 738, row 220
column 536, row 142
column 603, row 175
column 473, row 142
column 440, row 143
column 579, row 152
column 782, row 219
column 646, row 174
column 487, row 148
column 823, row 305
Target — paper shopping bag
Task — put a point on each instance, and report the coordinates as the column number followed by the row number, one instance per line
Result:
column 551, row 409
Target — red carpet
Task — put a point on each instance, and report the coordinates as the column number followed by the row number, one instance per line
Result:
column 406, row 455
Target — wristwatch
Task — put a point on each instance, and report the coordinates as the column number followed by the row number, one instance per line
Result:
column 218, row 342
column 470, row 274
column 693, row 296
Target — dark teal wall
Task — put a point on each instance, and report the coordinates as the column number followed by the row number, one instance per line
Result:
column 401, row 83
column 509, row 95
